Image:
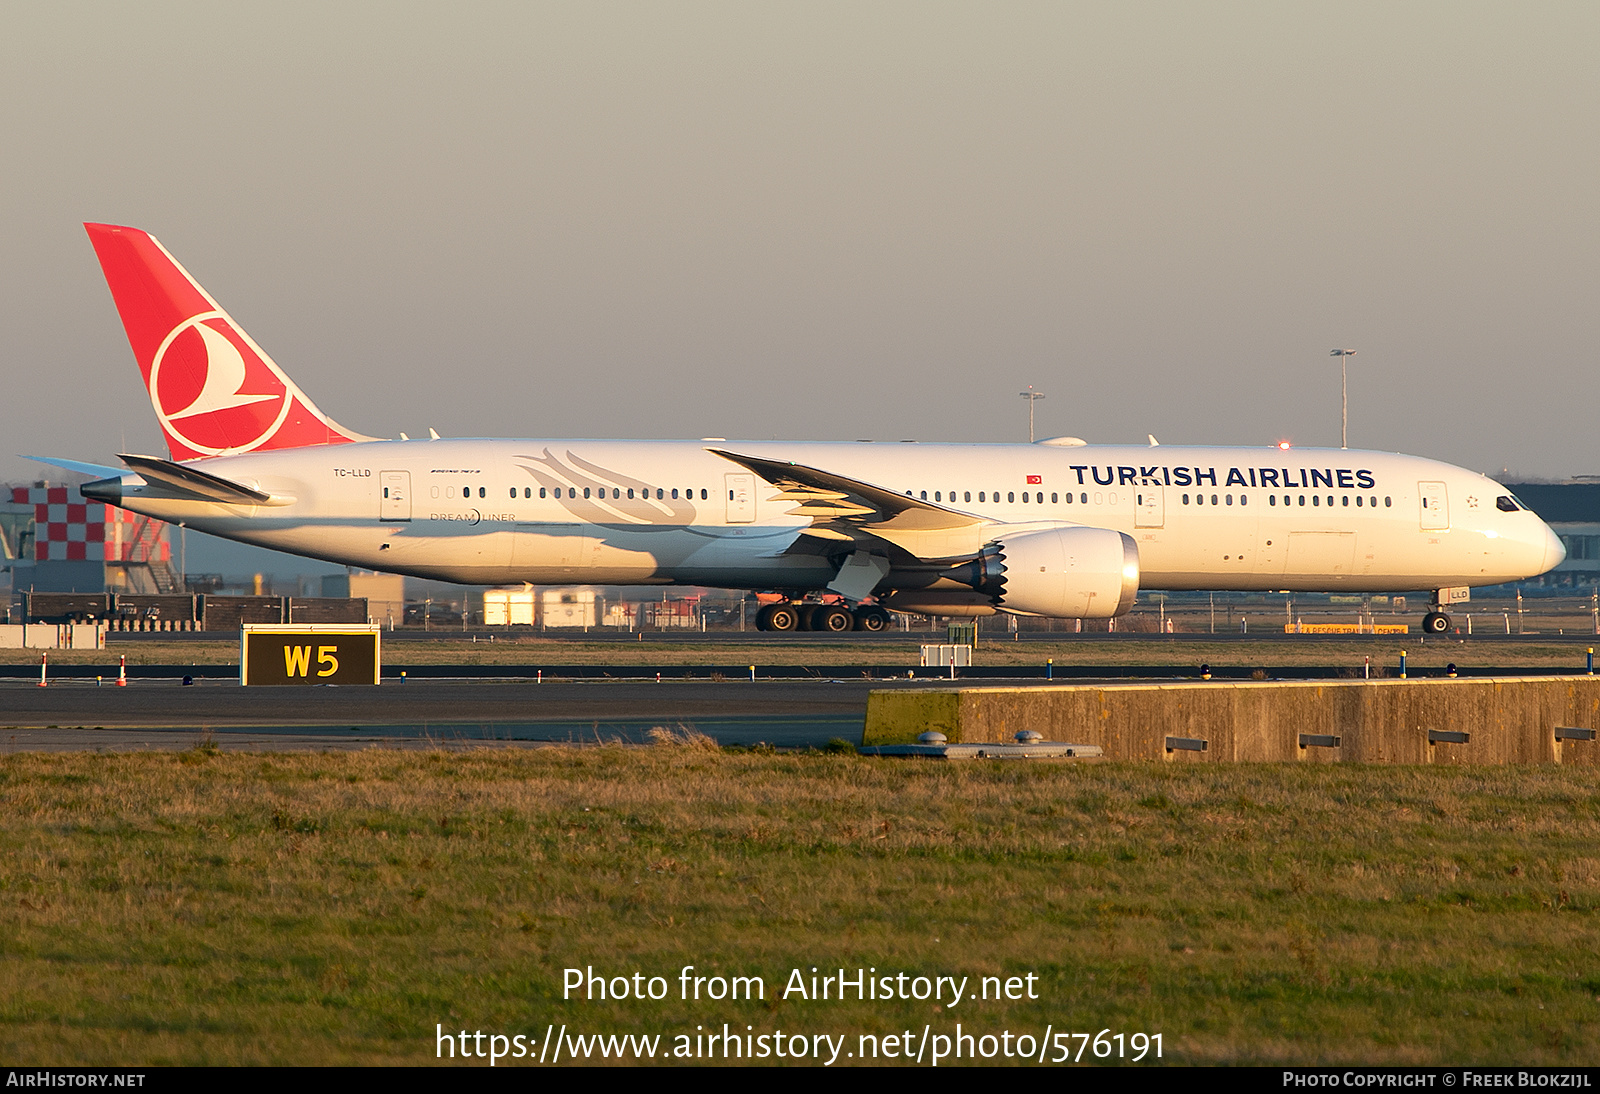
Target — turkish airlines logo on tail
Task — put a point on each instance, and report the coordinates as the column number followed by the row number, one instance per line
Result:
column 212, row 391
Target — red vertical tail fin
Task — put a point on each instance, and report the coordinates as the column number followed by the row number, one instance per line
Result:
column 214, row 390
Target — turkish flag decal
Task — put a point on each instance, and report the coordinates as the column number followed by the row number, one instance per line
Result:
column 1035, row 480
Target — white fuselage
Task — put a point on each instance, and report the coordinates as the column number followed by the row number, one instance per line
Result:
column 672, row 512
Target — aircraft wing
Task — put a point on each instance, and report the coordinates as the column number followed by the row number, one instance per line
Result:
column 849, row 510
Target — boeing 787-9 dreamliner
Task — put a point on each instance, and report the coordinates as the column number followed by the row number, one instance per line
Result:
column 1059, row 528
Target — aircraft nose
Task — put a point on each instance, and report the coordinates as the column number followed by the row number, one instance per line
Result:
column 1555, row 552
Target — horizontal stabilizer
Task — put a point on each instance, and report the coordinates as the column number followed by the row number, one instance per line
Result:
column 94, row 470
column 194, row 482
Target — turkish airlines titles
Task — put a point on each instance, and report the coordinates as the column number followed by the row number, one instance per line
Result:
column 1341, row 478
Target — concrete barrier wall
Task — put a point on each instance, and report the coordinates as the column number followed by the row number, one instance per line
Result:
column 1509, row 719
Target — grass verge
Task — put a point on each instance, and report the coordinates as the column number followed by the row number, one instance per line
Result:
column 208, row 908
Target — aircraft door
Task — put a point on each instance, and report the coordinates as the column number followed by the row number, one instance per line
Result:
column 741, row 498
column 1435, row 506
column 394, row 502
column 1150, row 507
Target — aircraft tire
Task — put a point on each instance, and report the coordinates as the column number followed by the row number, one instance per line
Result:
column 833, row 618
column 1435, row 623
column 872, row 618
column 781, row 617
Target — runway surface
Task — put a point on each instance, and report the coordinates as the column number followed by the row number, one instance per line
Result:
column 79, row 715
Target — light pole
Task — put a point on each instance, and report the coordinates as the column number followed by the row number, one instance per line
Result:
column 1032, row 396
column 1344, row 395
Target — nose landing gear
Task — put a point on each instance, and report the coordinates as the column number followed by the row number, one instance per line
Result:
column 1437, row 621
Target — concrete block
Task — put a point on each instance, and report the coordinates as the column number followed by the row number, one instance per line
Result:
column 1507, row 719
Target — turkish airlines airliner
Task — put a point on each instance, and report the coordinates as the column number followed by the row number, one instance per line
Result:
column 1059, row 528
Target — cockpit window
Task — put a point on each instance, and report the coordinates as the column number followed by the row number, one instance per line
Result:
column 1506, row 503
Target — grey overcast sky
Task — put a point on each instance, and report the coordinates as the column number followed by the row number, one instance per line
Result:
column 827, row 221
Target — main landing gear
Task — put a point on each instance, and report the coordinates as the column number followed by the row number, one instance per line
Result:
column 831, row 618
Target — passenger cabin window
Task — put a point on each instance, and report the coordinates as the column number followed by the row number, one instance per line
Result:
column 1011, row 495
column 968, row 495
column 674, row 493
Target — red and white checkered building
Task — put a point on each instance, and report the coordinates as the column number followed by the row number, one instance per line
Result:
column 67, row 528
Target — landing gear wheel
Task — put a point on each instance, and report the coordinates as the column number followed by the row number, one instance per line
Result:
column 778, row 617
column 833, row 618
column 1435, row 623
column 872, row 618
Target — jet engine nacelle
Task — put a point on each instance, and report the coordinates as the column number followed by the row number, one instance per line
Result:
column 1067, row 573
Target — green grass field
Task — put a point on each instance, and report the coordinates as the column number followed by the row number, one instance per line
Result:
column 332, row 908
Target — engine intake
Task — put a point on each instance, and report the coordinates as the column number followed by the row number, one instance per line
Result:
column 1066, row 573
